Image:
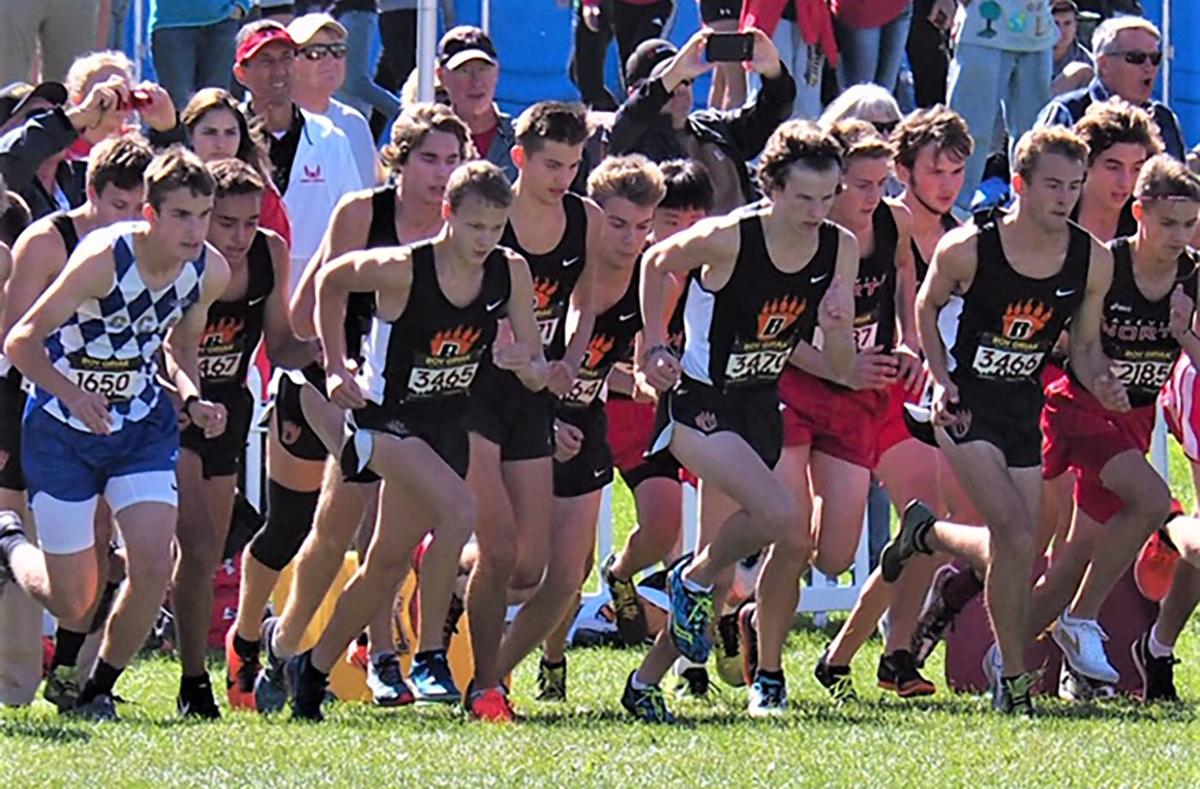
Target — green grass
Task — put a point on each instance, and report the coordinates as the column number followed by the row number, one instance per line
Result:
column 945, row 741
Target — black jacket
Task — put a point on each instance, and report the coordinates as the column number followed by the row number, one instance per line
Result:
column 640, row 126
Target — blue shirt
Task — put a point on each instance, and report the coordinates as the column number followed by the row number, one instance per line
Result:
column 192, row 13
column 1068, row 108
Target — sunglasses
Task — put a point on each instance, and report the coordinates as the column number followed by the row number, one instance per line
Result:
column 1136, row 58
column 885, row 127
column 320, row 51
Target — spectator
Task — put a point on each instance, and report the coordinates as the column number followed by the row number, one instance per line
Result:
column 928, row 50
column 871, row 36
column 596, row 24
column 218, row 130
column 398, row 56
column 728, row 87
column 110, row 27
column 1127, row 55
column 657, row 120
column 469, row 71
column 20, row 101
column 1003, row 55
column 865, row 102
column 360, row 18
column 311, row 161
column 192, row 43
column 60, row 29
column 804, row 42
column 1073, row 66
column 320, row 72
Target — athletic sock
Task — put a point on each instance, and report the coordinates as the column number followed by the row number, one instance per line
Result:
column 246, row 650
column 638, row 684
column 1156, row 647
column 776, row 675
column 104, row 677
column 10, row 542
column 312, row 673
column 692, row 586
column 189, row 685
column 554, row 663
column 67, row 644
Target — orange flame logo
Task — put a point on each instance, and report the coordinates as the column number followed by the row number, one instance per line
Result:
column 1023, row 320
column 596, row 351
column 543, row 291
column 454, row 342
column 222, row 332
column 775, row 316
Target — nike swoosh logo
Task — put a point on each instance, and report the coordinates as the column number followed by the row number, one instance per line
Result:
column 259, row 300
column 628, row 317
column 492, row 307
column 1062, row 294
column 819, row 278
column 567, row 263
column 598, row 473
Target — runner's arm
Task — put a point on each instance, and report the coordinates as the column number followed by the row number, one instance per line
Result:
column 524, row 325
column 1087, row 359
column 582, row 296
column 951, row 271
column 181, row 346
column 906, row 279
column 347, row 231
column 836, row 310
column 352, row 273
column 284, row 348
column 31, row 271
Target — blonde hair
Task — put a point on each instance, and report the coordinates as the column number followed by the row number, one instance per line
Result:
column 632, row 177
column 1048, row 139
column 863, row 102
column 86, row 67
column 860, row 138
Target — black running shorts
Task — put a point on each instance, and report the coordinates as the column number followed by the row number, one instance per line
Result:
column 752, row 414
column 592, row 468
column 221, row 456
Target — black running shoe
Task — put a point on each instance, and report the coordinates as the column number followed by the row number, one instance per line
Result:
column 748, row 637
column 552, row 681
column 908, row 542
column 270, row 686
column 198, row 702
column 308, row 688
column 693, row 683
column 1158, row 673
column 631, row 617
column 951, row 590
column 898, row 674
column 1012, row 695
column 647, row 704
column 453, row 615
column 835, row 679
column 101, row 708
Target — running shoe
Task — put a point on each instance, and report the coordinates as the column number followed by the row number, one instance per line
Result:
column 552, row 681
column 198, row 702
column 950, row 591
column 358, row 654
column 1154, row 570
column 835, row 679
column 386, row 682
column 748, row 636
column 768, row 697
column 899, row 674
column 908, row 542
column 62, row 688
column 102, row 708
column 10, row 524
column 1158, row 673
column 690, row 616
column 1013, row 694
column 453, row 616
column 239, row 674
column 631, row 617
column 491, row 705
column 646, row 704
column 729, row 651
column 993, row 668
column 693, row 680
column 430, row 679
column 1082, row 644
column 1075, row 687
column 270, row 685
column 308, row 688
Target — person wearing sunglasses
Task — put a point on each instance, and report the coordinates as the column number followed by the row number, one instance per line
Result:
column 1128, row 53
column 320, row 72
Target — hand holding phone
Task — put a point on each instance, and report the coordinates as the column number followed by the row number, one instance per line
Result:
column 729, row 47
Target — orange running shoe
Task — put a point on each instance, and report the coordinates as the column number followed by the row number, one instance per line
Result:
column 491, row 705
column 239, row 675
column 1154, row 570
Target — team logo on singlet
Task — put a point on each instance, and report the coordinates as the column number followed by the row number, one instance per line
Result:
column 543, row 292
column 220, row 356
column 450, row 366
column 865, row 287
column 597, row 349
column 706, row 421
column 586, row 387
column 223, row 332
column 1024, row 320
column 777, row 315
column 544, row 309
column 454, row 342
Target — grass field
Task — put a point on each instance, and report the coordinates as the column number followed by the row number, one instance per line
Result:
column 945, row 741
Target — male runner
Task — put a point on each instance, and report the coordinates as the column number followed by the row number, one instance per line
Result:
column 990, row 310
column 427, row 144
column 98, row 423
column 116, row 168
column 252, row 307
column 510, row 426
column 627, row 189
column 438, row 307
column 746, row 312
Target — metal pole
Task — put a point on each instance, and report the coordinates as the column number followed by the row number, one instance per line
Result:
column 1168, row 52
column 485, row 16
column 139, row 38
column 426, row 47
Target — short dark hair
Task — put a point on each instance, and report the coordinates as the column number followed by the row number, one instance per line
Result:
column 554, row 121
column 1047, row 139
column 688, row 185
column 939, row 126
column 235, row 177
column 174, row 169
column 1112, row 122
column 797, row 142
column 482, row 179
column 120, row 162
column 415, row 124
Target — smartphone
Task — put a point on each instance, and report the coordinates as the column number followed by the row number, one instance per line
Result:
column 729, row 47
column 139, row 99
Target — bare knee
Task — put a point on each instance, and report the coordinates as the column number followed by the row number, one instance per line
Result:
column 1151, row 505
column 834, row 560
column 778, row 513
column 1016, row 536
column 456, row 518
column 793, row 549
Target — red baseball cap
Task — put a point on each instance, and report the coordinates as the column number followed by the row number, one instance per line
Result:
column 258, row 37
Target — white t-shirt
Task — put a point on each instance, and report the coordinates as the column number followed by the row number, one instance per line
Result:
column 1011, row 25
column 358, row 132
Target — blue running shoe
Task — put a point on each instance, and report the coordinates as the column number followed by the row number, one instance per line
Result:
column 431, row 680
column 690, row 615
column 647, row 704
column 308, row 688
column 270, row 686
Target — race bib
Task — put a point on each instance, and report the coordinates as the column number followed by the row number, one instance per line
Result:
column 756, row 366
column 864, row 336
column 1148, row 374
column 437, row 381
column 584, row 392
column 548, row 328
column 116, row 379
column 996, row 363
column 220, row 367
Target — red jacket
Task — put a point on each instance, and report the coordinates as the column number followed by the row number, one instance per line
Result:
column 812, row 17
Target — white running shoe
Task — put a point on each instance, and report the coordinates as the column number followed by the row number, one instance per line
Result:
column 993, row 667
column 1082, row 644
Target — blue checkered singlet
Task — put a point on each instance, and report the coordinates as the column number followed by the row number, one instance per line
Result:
column 110, row 344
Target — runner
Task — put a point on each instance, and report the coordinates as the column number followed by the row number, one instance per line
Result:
column 986, row 327
column 98, row 425
column 116, row 169
column 427, row 144
column 438, row 306
column 628, row 189
column 511, row 445
column 744, row 318
column 252, row 307
column 932, row 146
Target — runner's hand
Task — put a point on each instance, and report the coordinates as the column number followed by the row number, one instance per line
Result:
column 208, row 416
column 1181, row 312
column 945, row 403
column 513, row 356
column 911, row 370
column 343, row 390
column 765, row 60
column 941, row 14
column 1111, row 393
column 91, row 408
column 568, row 440
column 559, row 379
column 661, row 369
column 643, row 391
column 873, row 369
column 836, row 311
